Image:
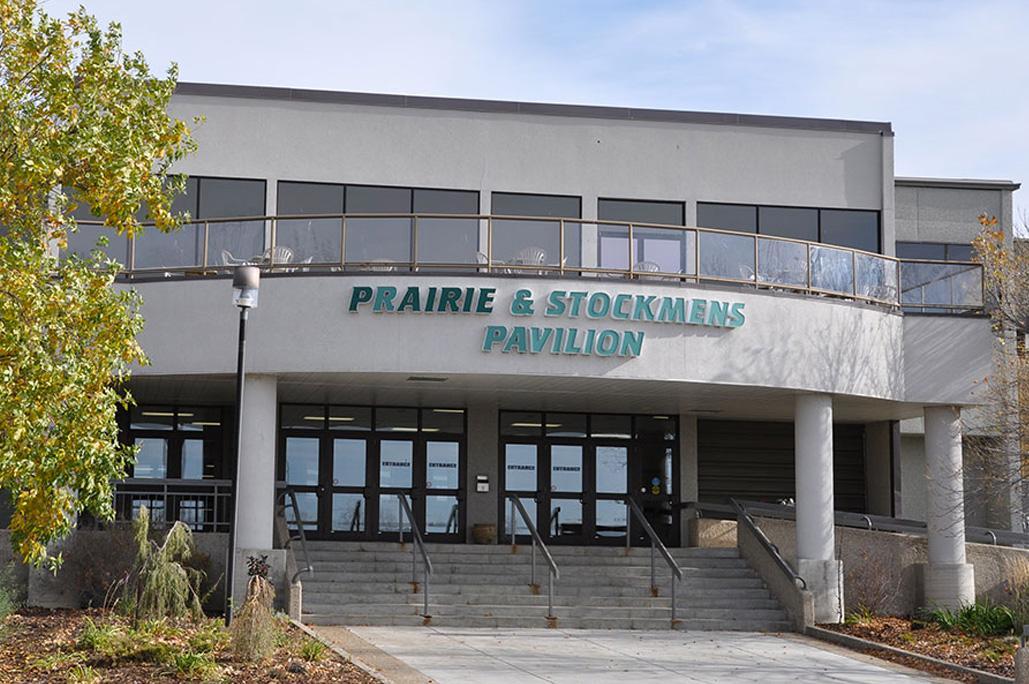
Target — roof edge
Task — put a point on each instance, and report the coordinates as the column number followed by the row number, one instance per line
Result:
column 956, row 183
column 533, row 108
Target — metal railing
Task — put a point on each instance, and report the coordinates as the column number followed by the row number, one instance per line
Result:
column 553, row 573
column 203, row 505
column 418, row 546
column 742, row 515
column 286, row 497
column 528, row 245
column 633, row 510
column 863, row 521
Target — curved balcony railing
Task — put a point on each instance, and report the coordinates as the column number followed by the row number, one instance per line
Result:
column 533, row 245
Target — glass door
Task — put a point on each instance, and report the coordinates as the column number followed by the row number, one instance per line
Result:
column 565, row 523
column 346, row 486
column 611, row 482
column 652, row 488
column 396, row 476
column 521, row 473
column 442, row 516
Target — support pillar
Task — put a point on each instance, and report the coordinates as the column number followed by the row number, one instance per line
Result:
column 689, row 484
column 949, row 579
column 816, row 534
column 255, row 490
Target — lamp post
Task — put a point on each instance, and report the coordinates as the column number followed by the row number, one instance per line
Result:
column 246, row 280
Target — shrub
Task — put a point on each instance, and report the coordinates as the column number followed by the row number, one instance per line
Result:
column 83, row 674
column 198, row 666
column 862, row 615
column 254, row 627
column 982, row 619
column 210, row 638
column 160, row 584
column 99, row 562
column 12, row 596
column 872, row 581
column 312, row 650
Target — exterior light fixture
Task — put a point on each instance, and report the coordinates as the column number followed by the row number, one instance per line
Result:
column 246, row 280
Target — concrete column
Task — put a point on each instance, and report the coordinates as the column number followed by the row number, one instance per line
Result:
column 483, row 460
column 949, row 580
column 816, row 557
column 689, row 485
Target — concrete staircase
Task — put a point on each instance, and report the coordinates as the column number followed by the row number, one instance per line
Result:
column 369, row 583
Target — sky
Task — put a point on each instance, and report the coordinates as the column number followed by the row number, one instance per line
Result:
column 952, row 77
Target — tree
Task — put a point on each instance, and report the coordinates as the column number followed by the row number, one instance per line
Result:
column 997, row 462
column 75, row 112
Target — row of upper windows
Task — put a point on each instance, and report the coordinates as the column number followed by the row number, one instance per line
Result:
column 209, row 197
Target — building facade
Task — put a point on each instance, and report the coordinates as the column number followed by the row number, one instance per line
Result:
column 466, row 300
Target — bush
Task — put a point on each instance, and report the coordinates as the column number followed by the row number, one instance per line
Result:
column 12, row 595
column 254, row 628
column 99, row 562
column 982, row 619
column 198, row 666
column 312, row 650
column 83, row 674
column 161, row 584
column 210, row 638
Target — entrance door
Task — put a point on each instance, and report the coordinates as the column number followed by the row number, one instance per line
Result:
column 566, row 521
column 347, row 477
column 651, row 486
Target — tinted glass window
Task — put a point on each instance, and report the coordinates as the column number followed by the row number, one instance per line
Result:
column 959, row 253
column 302, row 416
column 186, row 201
column 378, row 200
column 922, row 250
column 446, row 202
column 800, row 224
column 510, row 204
column 856, row 229
column 227, row 197
column 309, row 198
column 641, row 211
column 727, row 216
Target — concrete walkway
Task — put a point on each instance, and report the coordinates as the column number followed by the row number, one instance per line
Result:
column 407, row 655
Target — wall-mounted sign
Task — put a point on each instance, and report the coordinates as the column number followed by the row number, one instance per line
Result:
column 582, row 339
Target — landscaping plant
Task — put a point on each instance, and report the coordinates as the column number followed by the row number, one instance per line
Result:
column 982, row 618
column 161, row 583
column 254, row 627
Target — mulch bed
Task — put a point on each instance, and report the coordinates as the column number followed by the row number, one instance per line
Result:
column 989, row 654
column 42, row 646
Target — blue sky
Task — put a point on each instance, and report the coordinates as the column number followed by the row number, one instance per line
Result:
column 950, row 76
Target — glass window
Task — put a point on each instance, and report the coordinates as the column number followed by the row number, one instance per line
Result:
column 313, row 240
column 307, row 502
column 152, row 458
column 848, row 228
column 442, row 515
column 641, row 211
column 390, row 514
column 656, row 427
column 790, row 222
column 348, row 462
column 442, row 465
column 922, row 250
column 565, row 517
column 516, row 423
column 181, row 247
column 396, row 419
column 447, row 240
column 520, row 467
column 535, row 243
column 741, row 217
column 199, row 419
column 566, row 425
column 395, row 458
column 960, row 252
column 355, row 418
column 378, row 239
column 612, row 469
column 610, row 426
column 566, row 468
column 450, row 421
column 611, row 519
column 348, row 512
column 302, row 416
column 519, row 523
column 781, row 262
column 152, row 418
column 230, row 242
column 193, row 459
column 302, row 461
column 832, row 270
column 87, row 238
column 445, row 201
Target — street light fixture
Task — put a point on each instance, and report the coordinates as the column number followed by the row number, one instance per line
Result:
column 246, row 281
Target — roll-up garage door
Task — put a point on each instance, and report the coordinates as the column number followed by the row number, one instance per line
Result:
column 750, row 460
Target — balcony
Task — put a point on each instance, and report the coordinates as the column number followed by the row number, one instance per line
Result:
column 544, row 246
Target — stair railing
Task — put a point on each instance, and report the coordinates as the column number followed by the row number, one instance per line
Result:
column 288, row 498
column 656, row 546
column 744, row 516
column 537, row 540
column 417, row 547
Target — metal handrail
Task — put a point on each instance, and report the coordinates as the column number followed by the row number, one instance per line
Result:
column 887, row 292
column 418, row 546
column 301, row 536
column 655, row 545
column 554, row 573
column 743, row 515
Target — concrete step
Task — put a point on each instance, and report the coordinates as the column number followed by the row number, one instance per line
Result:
column 400, row 560
column 514, row 580
column 502, row 549
column 562, row 611
column 764, row 602
column 562, row 623
column 401, row 570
